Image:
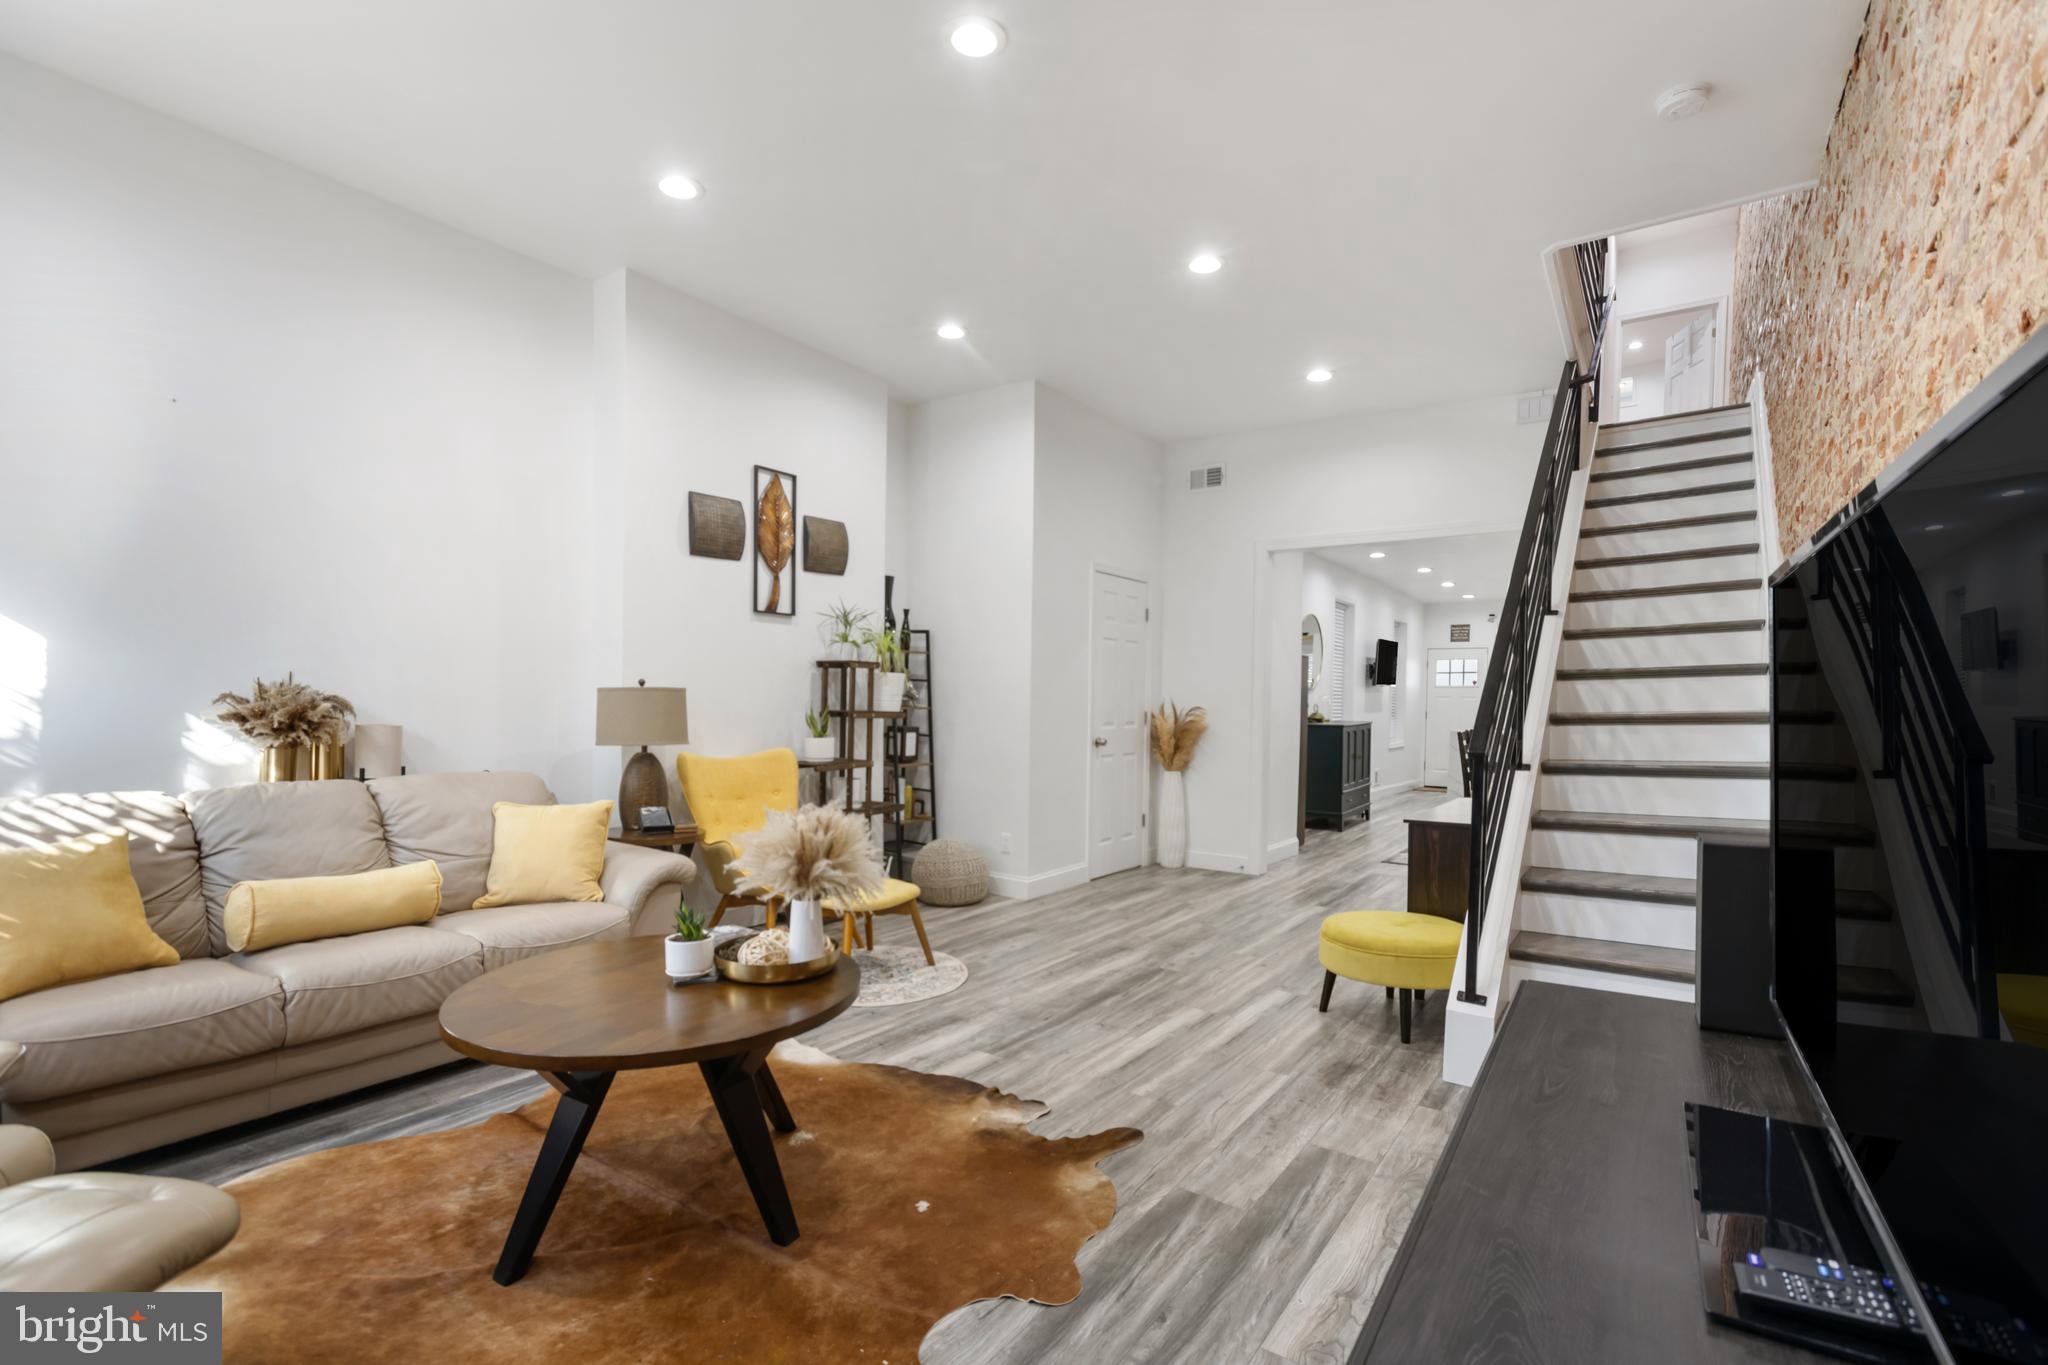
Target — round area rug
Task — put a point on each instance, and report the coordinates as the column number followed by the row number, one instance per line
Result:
column 899, row 976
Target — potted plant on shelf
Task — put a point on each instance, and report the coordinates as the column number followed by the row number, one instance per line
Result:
column 804, row 858
column 1174, row 735
column 819, row 746
column 886, row 692
column 301, row 729
column 687, row 952
column 844, row 629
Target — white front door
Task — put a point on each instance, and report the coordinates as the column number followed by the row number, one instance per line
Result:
column 1677, row 360
column 1455, row 676
column 1116, row 730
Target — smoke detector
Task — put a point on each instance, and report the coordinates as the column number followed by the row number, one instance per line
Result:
column 1683, row 102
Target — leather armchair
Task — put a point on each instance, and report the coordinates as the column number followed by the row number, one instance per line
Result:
column 97, row 1232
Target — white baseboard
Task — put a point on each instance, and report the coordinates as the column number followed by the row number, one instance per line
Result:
column 1396, row 788
column 1013, row 887
column 1281, row 851
column 1216, row 862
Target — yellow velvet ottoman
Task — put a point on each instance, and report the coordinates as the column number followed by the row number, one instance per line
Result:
column 1404, row 952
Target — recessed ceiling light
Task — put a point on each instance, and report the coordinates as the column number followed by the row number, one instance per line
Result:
column 2013, row 493
column 1377, row 554
column 951, row 331
column 1205, row 264
column 1423, row 569
column 1636, row 345
column 978, row 37
column 1319, row 375
column 1447, row 583
column 679, row 187
column 1935, row 526
column 1467, row 596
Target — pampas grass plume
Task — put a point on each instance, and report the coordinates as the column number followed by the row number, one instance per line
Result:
column 815, row 853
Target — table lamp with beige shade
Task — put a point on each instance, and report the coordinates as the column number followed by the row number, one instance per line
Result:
column 640, row 716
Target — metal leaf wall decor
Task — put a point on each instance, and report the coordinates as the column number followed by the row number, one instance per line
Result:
column 774, row 542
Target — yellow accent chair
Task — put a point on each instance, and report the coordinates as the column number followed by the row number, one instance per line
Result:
column 895, row 898
column 729, row 797
column 1404, row 952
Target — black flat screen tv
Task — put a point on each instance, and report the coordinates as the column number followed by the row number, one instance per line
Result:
column 1385, row 658
column 1909, row 913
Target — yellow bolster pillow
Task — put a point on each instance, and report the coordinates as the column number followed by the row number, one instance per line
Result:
column 70, row 912
column 295, row 909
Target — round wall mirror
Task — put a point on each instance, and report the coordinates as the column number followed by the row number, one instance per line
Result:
column 1312, row 647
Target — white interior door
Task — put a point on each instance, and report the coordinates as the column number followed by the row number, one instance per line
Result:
column 1699, row 366
column 1455, row 676
column 1677, row 361
column 1116, row 764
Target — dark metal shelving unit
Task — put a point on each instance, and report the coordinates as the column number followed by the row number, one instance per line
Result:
column 905, row 830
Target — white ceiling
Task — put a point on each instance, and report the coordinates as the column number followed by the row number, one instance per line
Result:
column 1379, row 178
column 1478, row 564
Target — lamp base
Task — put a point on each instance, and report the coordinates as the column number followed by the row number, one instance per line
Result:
column 642, row 784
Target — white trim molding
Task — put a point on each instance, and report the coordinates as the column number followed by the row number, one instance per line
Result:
column 1016, row 888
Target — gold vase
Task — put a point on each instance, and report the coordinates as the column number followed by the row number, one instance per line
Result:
column 300, row 762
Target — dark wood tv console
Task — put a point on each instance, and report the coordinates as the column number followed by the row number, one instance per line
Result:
column 1558, row 1225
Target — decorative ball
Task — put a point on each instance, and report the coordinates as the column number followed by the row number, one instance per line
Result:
column 950, row 872
column 769, row 949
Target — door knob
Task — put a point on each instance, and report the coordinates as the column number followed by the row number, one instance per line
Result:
column 1100, row 741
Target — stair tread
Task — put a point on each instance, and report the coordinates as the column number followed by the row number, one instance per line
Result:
column 1603, row 955
column 1703, row 490
column 1612, row 885
column 1862, row 905
column 1671, row 590
column 1605, row 822
column 1652, row 767
column 1661, row 442
column 1872, row 986
column 1643, row 471
column 1667, row 556
column 1667, row 628
column 1667, row 418
column 1660, row 718
column 1669, row 524
column 1654, row 671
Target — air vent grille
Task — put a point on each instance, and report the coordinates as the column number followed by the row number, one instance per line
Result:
column 1208, row 476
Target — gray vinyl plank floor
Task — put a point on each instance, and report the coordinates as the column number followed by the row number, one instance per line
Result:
column 1284, row 1153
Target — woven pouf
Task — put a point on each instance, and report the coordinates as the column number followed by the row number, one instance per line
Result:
column 950, row 873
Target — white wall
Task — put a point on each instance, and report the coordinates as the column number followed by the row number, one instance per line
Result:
column 1421, row 471
column 252, row 421
column 971, row 491
column 1675, row 264
column 1095, row 501
column 1439, row 617
column 707, row 396
column 1376, row 609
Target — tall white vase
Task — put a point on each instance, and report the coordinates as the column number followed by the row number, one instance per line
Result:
column 1173, row 820
column 806, row 931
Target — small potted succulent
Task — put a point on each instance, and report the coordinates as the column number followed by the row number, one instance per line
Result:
column 687, row 952
column 819, row 745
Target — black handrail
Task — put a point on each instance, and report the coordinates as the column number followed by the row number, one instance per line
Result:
column 1496, row 746
column 1929, row 740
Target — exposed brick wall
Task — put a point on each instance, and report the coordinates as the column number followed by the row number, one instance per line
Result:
column 1874, row 301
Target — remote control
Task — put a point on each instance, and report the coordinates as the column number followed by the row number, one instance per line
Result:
column 1850, row 1295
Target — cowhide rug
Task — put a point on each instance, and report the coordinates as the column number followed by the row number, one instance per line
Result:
column 914, row 1194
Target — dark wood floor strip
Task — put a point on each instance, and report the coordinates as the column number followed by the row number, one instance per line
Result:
column 1670, row 466
column 1704, row 490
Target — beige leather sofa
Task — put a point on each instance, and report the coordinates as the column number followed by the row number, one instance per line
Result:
column 129, row 1062
column 98, row 1232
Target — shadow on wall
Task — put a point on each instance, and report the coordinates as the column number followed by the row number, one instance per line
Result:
column 24, row 673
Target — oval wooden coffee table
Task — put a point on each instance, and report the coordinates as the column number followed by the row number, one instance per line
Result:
column 581, row 1015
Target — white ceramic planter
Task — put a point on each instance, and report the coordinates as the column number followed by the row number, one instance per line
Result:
column 889, row 691
column 686, row 957
column 819, row 748
column 1173, row 820
column 806, row 931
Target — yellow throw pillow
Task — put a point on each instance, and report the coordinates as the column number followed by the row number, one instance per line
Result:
column 296, row 909
column 70, row 912
column 546, row 853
